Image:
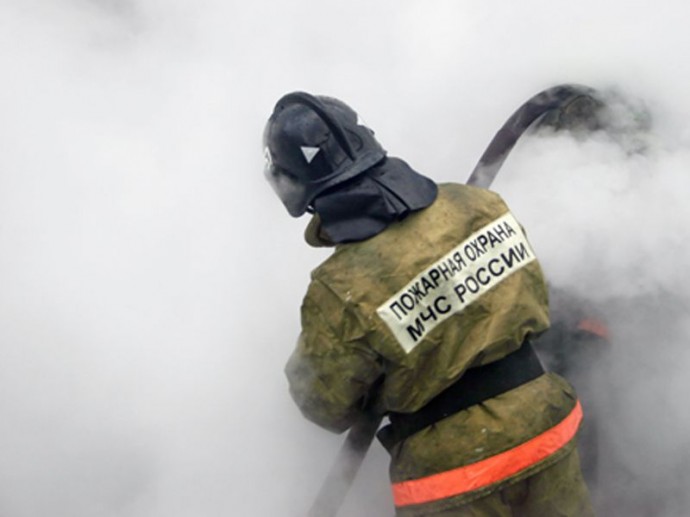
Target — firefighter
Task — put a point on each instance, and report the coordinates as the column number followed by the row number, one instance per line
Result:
column 424, row 313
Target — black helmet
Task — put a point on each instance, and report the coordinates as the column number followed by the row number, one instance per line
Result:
column 312, row 143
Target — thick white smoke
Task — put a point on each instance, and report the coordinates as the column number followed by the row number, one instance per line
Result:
column 151, row 281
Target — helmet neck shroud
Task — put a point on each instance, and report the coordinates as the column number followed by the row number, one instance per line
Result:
column 366, row 205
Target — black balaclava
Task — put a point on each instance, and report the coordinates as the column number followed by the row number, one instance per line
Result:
column 366, row 205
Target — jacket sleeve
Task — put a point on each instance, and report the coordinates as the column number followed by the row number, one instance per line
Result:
column 332, row 370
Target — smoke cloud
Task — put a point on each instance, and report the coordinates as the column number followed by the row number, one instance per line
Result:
column 151, row 281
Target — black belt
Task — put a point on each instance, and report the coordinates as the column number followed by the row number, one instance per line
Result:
column 476, row 385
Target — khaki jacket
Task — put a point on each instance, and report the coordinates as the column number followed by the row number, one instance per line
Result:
column 451, row 287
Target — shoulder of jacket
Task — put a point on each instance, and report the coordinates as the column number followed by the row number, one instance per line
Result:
column 467, row 191
column 469, row 199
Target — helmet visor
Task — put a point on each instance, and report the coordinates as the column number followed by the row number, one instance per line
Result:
column 291, row 192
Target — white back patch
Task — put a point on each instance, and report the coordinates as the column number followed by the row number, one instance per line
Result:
column 461, row 276
column 309, row 152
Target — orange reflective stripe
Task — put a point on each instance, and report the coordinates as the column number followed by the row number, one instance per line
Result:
column 594, row 326
column 491, row 470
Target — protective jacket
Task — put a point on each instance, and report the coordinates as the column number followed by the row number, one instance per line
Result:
column 451, row 287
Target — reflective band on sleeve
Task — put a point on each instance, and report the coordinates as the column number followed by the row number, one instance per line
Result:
column 491, row 470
